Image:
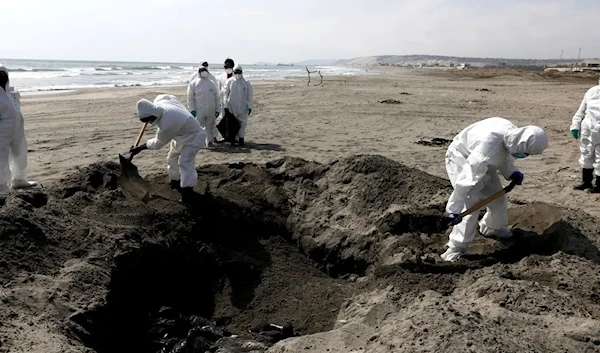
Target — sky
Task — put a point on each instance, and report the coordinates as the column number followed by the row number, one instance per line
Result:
column 282, row 31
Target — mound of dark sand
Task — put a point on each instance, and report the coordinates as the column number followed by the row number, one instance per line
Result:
column 343, row 257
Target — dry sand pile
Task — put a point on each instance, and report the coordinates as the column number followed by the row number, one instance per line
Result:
column 342, row 256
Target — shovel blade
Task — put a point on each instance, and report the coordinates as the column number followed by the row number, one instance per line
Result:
column 129, row 169
column 132, row 184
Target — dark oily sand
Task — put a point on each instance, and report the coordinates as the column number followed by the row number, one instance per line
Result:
column 341, row 257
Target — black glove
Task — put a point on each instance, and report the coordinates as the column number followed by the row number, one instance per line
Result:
column 227, row 111
column 138, row 149
column 455, row 219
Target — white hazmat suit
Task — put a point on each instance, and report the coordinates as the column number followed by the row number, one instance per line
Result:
column 587, row 121
column 203, row 97
column 473, row 161
column 13, row 144
column 238, row 99
column 177, row 127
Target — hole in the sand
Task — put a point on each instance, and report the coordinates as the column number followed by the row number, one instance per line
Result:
column 420, row 222
column 159, row 297
column 37, row 199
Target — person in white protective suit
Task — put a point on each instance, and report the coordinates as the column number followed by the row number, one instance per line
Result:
column 13, row 144
column 203, row 103
column 586, row 127
column 177, row 127
column 214, row 80
column 473, row 161
column 238, row 100
column 226, row 75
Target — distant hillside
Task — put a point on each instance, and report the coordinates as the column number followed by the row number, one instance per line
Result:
column 317, row 62
column 300, row 63
column 436, row 60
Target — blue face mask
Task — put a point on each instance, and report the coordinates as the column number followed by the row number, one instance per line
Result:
column 520, row 155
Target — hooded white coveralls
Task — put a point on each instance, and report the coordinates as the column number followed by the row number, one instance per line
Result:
column 179, row 128
column 472, row 161
column 203, row 97
column 587, row 120
column 238, row 99
column 13, row 144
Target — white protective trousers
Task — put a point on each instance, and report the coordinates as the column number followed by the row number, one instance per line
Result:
column 13, row 144
column 589, row 146
column 243, row 120
column 495, row 219
column 181, row 164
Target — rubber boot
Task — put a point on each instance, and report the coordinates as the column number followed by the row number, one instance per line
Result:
column 175, row 185
column 587, row 176
column 596, row 188
column 241, row 141
column 187, row 195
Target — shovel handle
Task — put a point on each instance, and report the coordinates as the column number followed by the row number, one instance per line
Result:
column 139, row 138
column 482, row 203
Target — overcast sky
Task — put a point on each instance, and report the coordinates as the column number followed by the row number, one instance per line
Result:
column 284, row 31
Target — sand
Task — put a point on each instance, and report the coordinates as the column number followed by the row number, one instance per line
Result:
column 338, row 249
column 340, row 118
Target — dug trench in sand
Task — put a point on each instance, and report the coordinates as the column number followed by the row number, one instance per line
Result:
column 343, row 256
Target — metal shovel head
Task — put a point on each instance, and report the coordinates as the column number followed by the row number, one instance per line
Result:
column 129, row 169
column 131, row 182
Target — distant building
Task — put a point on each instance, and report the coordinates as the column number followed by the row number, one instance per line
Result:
column 591, row 64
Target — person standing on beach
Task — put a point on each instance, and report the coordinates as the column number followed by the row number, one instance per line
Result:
column 178, row 128
column 203, row 103
column 586, row 127
column 473, row 161
column 238, row 100
column 222, row 78
column 13, row 144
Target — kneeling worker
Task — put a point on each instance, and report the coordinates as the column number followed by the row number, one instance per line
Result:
column 186, row 137
column 473, row 161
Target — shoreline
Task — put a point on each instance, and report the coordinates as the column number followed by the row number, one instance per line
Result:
column 65, row 92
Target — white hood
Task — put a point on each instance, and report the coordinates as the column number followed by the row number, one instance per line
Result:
column 145, row 109
column 529, row 139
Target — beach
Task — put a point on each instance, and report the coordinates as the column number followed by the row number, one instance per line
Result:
column 342, row 117
column 323, row 234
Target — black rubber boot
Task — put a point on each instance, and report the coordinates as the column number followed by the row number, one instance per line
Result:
column 187, row 195
column 587, row 176
column 596, row 188
column 175, row 185
column 241, row 141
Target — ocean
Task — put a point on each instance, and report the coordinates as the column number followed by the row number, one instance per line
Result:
column 57, row 75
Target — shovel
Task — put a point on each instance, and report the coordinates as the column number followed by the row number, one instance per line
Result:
column 128, row 168
column 482, row 203
column 131, row 181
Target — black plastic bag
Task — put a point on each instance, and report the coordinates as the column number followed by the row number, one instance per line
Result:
column 229, row 126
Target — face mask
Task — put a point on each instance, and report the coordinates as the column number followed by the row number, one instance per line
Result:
column 204, row 74
column 519, row 155
column 229, row 71
column 238, row 76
